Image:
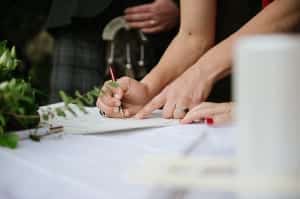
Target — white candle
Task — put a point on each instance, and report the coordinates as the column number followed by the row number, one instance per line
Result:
column 267, row 91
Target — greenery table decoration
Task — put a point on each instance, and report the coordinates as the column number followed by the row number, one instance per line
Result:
column 18, row 104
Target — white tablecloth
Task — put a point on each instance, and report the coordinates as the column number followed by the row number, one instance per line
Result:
column 96, row 167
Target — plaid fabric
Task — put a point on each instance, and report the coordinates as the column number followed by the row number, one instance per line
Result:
column 77, row 65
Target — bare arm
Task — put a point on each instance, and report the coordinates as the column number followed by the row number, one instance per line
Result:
column 195, row 37
column 279, row 16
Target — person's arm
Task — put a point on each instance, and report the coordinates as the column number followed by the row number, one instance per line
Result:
column 195, row 37
column 279, row 17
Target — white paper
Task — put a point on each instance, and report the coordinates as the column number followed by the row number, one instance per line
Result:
column 94, row 123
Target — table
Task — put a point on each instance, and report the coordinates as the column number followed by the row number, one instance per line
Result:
column 93, row 167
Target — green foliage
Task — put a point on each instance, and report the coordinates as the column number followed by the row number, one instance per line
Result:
column 8, row 61
column 18, row 97
column 88, row 99
column 18, row 104
column 9, row 140
column 18, row 108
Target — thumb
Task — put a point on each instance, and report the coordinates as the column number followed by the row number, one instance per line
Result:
column 156, row 103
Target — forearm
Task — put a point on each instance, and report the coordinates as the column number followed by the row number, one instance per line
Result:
column 280, row 16
column 182, row 53
column 196, row 36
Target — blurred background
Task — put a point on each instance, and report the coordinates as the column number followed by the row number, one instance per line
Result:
column 61, row 47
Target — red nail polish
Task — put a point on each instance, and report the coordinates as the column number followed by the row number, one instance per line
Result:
column 209, row 121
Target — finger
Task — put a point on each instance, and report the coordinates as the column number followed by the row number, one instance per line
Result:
column 221, row 119
column 181, row 108
column 98, row 103
column 154, row 104
column 138, row 17
column 139, row 9
column 112, row 112
column 143, row 24
column 107, row 96
column 103, row 107
column 111, row 89
column 106, row 90
column 197, row 114
column 211, row 108
column 110, row 101
column 129, row 112
column 206, row 110
column 154, row 29
column 168, row 109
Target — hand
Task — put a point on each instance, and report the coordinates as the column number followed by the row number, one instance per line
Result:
column 220, row 113
column 161, row 15
column 182, row 95
column 129, row 93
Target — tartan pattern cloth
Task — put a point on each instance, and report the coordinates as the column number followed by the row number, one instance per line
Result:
column 77, row 65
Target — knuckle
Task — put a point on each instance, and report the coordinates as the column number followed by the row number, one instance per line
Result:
column 124, row 80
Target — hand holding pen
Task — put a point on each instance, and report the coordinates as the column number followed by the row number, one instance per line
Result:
column 122, row 98
column 108, row 87
column 116, row 85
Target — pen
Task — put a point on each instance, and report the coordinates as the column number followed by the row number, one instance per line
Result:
column 113, row 78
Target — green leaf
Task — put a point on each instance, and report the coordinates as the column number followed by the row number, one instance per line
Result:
column 114, row 84
column 64, row 97
column 13, row 52
column 2, row 121
column 4, row 58
column 9, row 140
column 77, row 94
column 80, row 105
column 70, row 110
column 60, row 112
column 45, row 117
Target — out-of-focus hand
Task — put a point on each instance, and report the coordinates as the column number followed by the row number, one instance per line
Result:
column 129, row 93
column 220, row 113
column 161, row 15
column 190, row 89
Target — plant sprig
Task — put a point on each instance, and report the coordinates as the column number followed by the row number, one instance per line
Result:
column 18, row 108
column 19, row 112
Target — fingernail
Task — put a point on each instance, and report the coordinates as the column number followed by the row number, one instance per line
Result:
column 209, row 121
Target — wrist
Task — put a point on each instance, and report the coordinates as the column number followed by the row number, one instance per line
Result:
column 155, row 81
column 147, row 88
column 213, row 71
column 151, row 88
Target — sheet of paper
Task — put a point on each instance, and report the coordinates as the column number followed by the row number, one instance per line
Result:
column 94, row 123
